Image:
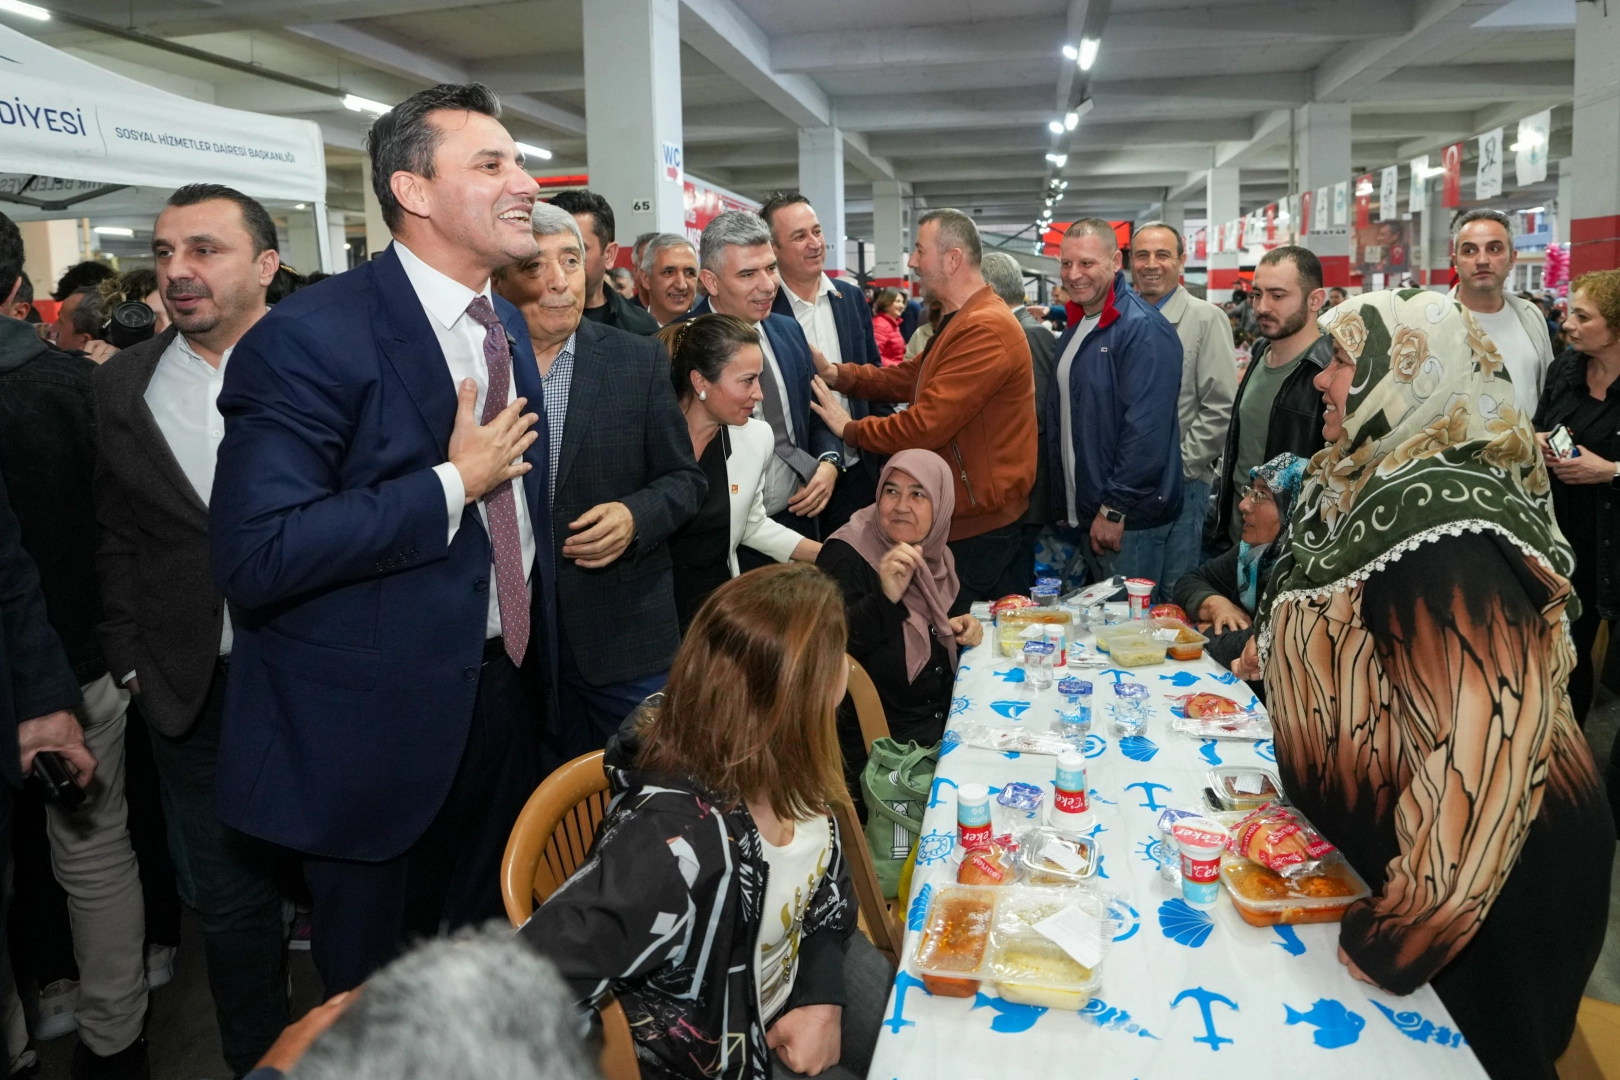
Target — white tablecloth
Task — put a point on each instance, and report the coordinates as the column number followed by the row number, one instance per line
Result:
column 1186, row 992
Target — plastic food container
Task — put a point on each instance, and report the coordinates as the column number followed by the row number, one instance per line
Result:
column 955, row 939
column 1243, row 788
column 1180, row 639
column 1265, row 898
column 1137, row 652
column 1051, row 857
column 1010, row 626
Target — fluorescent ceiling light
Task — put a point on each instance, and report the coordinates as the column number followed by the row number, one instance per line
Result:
column 28, row 11
column 1059, row 160
column 1071, row 120
column 1063, row 184
column 357, row 103
column 1055, row 127
column 112, row 230
column 298, row 206
column 1049, row 202
column 1534, row 210
column 1058, row 197
column 1088, row 53
column 531, row 150
column 1071, row 53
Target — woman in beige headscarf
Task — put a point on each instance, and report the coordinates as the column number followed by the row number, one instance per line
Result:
column 1417, row 657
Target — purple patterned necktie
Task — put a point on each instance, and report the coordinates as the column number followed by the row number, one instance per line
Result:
column 499, row 503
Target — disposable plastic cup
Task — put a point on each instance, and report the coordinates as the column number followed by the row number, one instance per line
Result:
column 1139, row 594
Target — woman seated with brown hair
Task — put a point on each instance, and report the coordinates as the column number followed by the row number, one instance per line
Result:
column 716, row 904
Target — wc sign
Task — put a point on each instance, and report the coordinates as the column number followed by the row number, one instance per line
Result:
column 672, row 163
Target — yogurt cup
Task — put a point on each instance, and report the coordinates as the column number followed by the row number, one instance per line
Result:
column 1139, row 594
column 1201, row 844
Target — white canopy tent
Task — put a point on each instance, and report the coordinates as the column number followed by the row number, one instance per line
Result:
column 76, row 135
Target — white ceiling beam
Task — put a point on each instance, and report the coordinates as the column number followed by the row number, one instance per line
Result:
column 858, row 154
column 1475, row 82
column 1269, row 129
column 934, row 45
column 374, row 50
column 1246, row 25
column 1259, row 90
column 542, row 74
column 1349, row 73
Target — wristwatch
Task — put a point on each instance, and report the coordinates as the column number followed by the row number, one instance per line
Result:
column 1111, row 514
column 834, row 458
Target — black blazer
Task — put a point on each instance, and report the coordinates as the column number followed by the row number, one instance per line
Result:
column 624, row 440
column 35, row 679
column 161, row 614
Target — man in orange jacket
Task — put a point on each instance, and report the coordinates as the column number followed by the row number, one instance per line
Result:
column 971, row 399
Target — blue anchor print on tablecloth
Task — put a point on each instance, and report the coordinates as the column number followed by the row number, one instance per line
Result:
column 934, row 847
column 1094, row 745
column 1180, row 678
column 903, row 982
column 1105, row 1016
column 1012, row 710
column 1010, row 675
column 1225, row 678
column 1419, row 1029
column 1206, row 1000
column 1184, row 924
column 1119, row 676
column 917, row 914
column 1138, row 747
column 1125, row 918
column 1011, row 1018
column 1148, row 788
column 1209, row 752
column 1290, row 942
column 1335, row 1025
column 933, row 793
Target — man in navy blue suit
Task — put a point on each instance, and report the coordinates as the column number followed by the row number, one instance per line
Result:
column 837, row 321
column 738, row 275
column 372, row 527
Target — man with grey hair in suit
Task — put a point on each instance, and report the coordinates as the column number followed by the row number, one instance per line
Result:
column 669, row 267
column 622, row 479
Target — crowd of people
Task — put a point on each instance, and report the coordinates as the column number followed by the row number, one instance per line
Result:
column 307, row 583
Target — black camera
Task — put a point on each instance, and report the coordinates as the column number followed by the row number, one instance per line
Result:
column 131, row 323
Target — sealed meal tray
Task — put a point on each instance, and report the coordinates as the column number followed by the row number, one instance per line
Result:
column 1137, row 652
column 1132, row 631
column 1051, row 857
column 1182, row 641
column 955, row 938
column 1244, row 787
column 1029, row 966
column 1265, row 898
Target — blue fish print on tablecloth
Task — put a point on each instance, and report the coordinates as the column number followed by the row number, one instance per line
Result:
column 1290, row 942
column 1184, row 924
column 1335, row 1025
column 917, row 914
column 1180, row 678
column 1138, row 747
column 1416, row 1027
column 1011, row 1019
column 1012, row 710
column 1107, row 1017
column 1225, row 678
column 1010, row 675
column 1209, row 752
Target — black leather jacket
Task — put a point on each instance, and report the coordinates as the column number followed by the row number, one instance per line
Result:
column 47, row 445
column 1296, row 428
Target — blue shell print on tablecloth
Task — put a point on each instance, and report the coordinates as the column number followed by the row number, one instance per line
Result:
column 1184, row 924
column 1138, row 747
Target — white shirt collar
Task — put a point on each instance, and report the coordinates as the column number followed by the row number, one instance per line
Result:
column 825, row 288
column 442, row 297
column 184, row 346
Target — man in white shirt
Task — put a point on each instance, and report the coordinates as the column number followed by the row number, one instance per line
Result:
column 1483, row 253
column 165, row 630
column 837, row 321
column 374, row 526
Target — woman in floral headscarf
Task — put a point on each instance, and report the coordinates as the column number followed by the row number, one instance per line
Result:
column 1416, row 657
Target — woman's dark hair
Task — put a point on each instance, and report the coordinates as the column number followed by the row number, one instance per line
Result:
column 883, row 299
column 705, row 345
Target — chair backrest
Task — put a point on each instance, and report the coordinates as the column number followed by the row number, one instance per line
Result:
column 553, row 834
column 868, row 706
column 551, row 838
column 880, row 924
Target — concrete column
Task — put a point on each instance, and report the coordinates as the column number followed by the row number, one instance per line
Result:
column 1222, row 201
column 890, row 238
column 49, row 248
column 377, row 235
column 821, row 179
column 303, row 251
column 1594, row 228
column 1174, row 214
column 1322, row 153
column 633, row 101
column 1434, row 244
column 1566, row 200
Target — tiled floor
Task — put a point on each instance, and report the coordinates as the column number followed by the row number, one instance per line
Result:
column 184, row 1039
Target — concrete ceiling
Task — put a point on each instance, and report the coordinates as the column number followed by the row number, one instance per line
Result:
column 950, row 96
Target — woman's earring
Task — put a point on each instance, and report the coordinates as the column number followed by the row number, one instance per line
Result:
column 703, row 395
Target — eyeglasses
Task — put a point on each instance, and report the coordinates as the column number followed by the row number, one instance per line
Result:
column 1254, row 494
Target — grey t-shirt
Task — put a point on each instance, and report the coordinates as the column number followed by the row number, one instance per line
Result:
column 1254, row 423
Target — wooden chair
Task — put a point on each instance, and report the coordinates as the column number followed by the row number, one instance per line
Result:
column 1594, row 1052
column 876, row 919
column 868, row 706
column 551, row 838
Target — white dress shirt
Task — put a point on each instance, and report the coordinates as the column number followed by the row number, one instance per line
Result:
column 461, row 338
column 183, row 396
column 816, row 319
column 780, row 481
column 1519, row 354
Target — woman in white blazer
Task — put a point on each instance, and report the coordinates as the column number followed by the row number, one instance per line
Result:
column 715, row 364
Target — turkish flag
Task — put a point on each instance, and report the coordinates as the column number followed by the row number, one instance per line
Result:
column 1364, row 189
column 1307, row 224
column 1451, row 161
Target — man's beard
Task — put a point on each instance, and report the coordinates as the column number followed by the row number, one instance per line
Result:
column 1292, row 325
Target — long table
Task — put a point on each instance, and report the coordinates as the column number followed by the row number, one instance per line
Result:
column 1186, row 992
